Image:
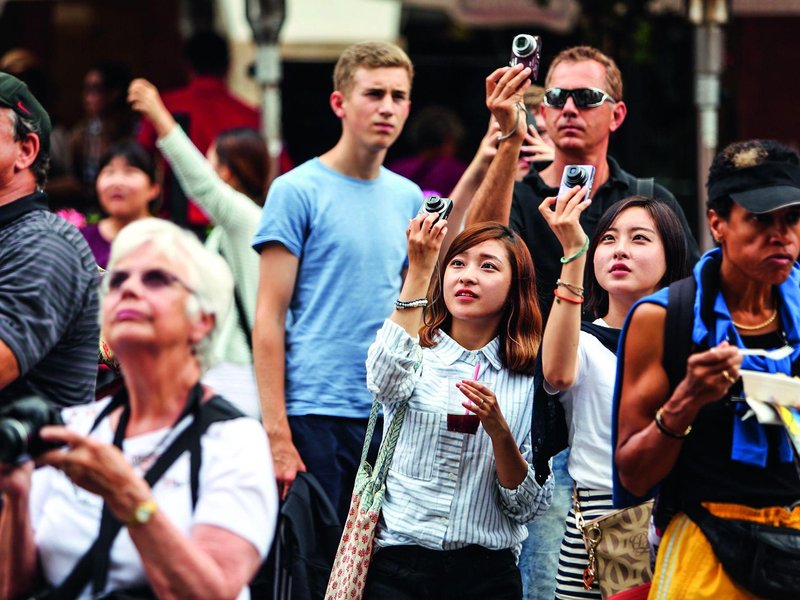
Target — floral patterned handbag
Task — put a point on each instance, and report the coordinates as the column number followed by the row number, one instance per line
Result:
column 349, row 573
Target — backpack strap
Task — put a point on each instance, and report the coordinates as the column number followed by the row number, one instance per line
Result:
column 213, row 411
column 644, row 186
column 678, row 328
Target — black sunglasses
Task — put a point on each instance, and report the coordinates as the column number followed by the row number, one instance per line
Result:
column 582, row 97
column 152, row 279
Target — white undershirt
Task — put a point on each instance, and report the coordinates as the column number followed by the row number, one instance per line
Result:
column 587, row 405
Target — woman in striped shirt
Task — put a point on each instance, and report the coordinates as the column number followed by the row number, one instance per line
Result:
column 456, row 504
column 626, row 260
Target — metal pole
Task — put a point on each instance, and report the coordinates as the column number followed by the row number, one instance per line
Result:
column 266, row 19
column 708, row 66
column 707, row 16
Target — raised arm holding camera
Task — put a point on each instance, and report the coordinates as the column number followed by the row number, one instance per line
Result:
column 583, row 105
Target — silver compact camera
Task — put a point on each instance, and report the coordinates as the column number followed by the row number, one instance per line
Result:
column 437, row 205
column 527, row 50
column 582, row 175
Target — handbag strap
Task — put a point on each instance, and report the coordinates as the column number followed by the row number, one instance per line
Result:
column 389, row 443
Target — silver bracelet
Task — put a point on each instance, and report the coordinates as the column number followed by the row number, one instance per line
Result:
column 404, row 304
column 505, row 136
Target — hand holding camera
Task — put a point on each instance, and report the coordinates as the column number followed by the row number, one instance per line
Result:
column 563, row 212
column 582, row 175
column 526, row 50
column 505, row 86
column 425, row 235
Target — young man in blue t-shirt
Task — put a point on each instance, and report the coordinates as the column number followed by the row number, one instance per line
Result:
column 332, row 244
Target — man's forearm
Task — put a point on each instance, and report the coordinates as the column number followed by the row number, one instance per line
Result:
column 492, row 201
column 269, row 361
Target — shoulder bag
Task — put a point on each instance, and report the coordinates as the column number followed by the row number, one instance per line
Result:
column 619, row 553
column 349, row 573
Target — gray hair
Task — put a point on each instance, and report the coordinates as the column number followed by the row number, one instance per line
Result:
column 209, row 275
column 41, row 164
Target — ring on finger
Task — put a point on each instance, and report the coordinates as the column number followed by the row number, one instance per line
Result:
column 728, row 377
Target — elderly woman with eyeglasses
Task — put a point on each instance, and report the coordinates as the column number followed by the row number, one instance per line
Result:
column 176, row 480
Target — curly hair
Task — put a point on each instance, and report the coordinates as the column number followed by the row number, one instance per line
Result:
column 741, row 155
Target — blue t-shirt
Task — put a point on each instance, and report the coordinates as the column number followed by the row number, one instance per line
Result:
column 349, row 235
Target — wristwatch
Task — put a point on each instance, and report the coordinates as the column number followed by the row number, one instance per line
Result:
column 142, row 513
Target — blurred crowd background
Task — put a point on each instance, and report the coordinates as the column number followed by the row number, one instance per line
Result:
column 453, row 45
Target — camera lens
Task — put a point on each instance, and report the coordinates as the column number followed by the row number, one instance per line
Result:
column 433, row 204
column 575, row 176
column 523, row 45
column 14, row 438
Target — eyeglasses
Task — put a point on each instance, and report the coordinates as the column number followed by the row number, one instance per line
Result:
column 582, row 97
column 152, row 279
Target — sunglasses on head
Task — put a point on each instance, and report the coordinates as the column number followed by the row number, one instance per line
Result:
column 582, row 97
column 152, row 279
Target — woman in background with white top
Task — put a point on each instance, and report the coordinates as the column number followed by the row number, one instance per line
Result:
column 456, row 504
column 230, row 186
column 626, row 260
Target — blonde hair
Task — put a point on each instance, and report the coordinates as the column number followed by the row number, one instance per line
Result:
column 370, row 55
column 582, row 53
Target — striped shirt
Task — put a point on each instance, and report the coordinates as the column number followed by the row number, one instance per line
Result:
column 442, row 491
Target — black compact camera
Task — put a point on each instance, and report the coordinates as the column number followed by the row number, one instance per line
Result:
column 582, row 175
column 20, row 423
column 437, row 205
column 527, row 50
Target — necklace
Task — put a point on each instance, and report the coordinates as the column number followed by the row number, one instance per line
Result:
column 758, row 325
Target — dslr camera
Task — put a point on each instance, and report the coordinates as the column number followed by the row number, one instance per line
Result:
column 582, row 175
column 437, row 205
column 20, row 423
column 527, row 49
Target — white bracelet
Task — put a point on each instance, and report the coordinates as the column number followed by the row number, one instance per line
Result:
column 404, row 304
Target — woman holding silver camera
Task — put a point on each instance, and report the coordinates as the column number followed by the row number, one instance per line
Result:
column 625, row 261
column 176, row 480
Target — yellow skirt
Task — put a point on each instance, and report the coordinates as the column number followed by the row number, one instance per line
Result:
column 686, row 566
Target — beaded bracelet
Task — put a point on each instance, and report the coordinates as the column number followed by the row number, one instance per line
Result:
column 559, row 297
column 404, row 304
column 666, row 430
column 579, row 253
column 575, row 289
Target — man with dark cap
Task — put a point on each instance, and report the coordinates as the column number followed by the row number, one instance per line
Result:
column 48, row 278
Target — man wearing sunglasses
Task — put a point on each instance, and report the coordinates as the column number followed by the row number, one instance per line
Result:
column 48, row 276
column 582, row 107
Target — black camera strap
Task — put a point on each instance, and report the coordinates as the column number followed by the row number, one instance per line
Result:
column 94, row 563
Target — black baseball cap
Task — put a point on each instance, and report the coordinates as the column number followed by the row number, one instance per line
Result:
column 14, row 94
column 760, row 188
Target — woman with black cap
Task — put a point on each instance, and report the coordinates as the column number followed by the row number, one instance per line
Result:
column 720, row 473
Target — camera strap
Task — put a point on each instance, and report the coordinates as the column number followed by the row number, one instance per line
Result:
column 94, row 563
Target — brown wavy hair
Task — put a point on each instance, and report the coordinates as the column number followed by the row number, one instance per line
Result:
column 520, row 328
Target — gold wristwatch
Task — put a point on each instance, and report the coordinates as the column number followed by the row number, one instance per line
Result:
column 142, row 513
